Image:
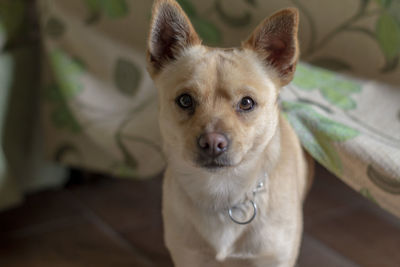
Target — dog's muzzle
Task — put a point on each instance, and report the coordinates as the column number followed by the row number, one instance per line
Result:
column 212, row 148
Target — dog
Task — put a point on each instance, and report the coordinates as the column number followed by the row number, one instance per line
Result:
column 236, row 174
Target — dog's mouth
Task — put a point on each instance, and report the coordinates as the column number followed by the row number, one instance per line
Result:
column 214, row 163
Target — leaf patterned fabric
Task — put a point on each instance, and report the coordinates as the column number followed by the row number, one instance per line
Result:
column 100, row 106
column 359, row 143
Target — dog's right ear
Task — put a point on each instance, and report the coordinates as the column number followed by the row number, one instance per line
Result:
column 170, row 33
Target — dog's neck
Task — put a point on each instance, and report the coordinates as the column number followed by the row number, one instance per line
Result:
column 221, row 190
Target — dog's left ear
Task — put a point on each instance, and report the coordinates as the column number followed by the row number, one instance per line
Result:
column 170, row 33
column 275, row 40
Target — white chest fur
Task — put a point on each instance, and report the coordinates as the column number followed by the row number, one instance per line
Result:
column 219, row 236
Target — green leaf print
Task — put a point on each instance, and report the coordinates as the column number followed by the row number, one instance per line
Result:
column 52, row 93
column 114, row 8
column 320, row 124
column 333, row 87
column 188, row 7
column 346, row 86
column 338, row 98
column 93, row 7
column 319, row 148
column 311, row 78
column 383, row 3
column 388, row 34
column 64, row 119
column 127, row 76
column 207, row 31
column 68, row 72
column 317, row 133
column 329, row 129
column 61, row 115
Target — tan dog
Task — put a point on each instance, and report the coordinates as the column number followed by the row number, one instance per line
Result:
column 236, row 176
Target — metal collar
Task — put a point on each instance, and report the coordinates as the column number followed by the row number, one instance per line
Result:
column 248, row 200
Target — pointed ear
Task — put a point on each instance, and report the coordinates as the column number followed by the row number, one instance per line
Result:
column 170, row 33
column 275, row 40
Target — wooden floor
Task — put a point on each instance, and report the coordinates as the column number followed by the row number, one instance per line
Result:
column 113, row 222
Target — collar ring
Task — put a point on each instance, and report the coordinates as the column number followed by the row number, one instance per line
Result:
column 230, row 212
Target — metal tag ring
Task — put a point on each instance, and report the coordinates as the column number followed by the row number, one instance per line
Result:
column 249, row 220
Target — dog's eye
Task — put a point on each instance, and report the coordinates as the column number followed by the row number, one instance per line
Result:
column 185, row 101
column 246, row 104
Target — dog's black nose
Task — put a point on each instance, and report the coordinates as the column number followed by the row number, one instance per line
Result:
column 213, row 144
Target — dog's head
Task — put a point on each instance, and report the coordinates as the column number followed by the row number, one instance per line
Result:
column 218, row 107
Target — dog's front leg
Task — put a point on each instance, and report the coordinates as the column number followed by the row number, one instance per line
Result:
column 187, row 257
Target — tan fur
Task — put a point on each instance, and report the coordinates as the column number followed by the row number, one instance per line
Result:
column 161, row 10
column 198, row 231
column 285, row 21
